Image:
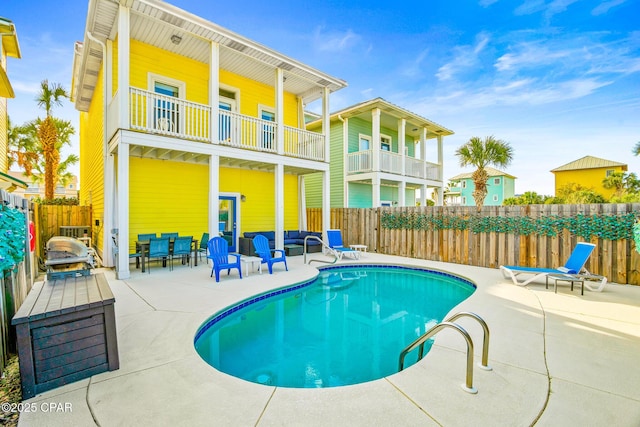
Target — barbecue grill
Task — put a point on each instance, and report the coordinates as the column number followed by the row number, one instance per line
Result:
column 67, row 257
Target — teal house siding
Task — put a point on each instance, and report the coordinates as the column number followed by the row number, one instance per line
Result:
column 500, row 186
column 357, row 172
column 359, row 195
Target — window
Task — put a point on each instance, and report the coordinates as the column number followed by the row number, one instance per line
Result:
column 464, row 184
column 610, row 172
column 464, row 200
column 496, row 181
column 495, row 197
column 385, row 143
column 166, row 113
column 268, row 140
column 365, row 143
column 226, row 104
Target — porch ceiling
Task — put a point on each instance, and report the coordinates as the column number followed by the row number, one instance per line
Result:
column 155, row 153
column 157, row 23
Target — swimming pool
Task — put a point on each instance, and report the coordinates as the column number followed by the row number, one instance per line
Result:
column 347, row 326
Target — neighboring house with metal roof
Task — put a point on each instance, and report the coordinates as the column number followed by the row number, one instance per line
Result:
column 378, row 157
column 589, row 172
column 185, row 125
column 9, row 47
column 500, row 186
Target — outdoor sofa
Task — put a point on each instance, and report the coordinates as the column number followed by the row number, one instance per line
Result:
column 291, row 237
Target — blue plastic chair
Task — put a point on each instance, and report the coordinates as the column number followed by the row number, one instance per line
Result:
column 203, row 246
column 182, row 249
column 159, row 249
column 261, row 244
column 219, row 255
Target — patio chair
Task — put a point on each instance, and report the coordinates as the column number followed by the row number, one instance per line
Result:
column 336, row 246
column 158, row 249
column 574, row 266
column 261, row 245
column 169, row 235
column 203, row 246
column 137, row 254
column 182, row 249
column 219, row 255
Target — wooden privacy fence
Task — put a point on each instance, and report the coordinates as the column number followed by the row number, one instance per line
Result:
column 49, row 219
column 529, row 235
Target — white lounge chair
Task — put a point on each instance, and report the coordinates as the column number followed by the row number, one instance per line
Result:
column 336, row 246
column 573, row 266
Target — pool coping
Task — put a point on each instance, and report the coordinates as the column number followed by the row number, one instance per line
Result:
column 536, row 378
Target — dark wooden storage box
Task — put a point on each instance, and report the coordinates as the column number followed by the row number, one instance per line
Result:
column 66, row 332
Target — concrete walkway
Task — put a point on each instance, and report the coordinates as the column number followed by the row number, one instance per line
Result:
column 558, row 360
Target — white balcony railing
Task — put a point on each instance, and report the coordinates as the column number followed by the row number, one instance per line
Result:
column 362, row 161
column 390, row 162
column 414, row 167
column 434, row 171
column 303, row 144
column 165, row 115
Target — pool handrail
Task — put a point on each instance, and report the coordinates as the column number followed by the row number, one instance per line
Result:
column 419, row 343
column 322, row 242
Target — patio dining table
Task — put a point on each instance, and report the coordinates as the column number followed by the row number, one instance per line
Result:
column 143, row 245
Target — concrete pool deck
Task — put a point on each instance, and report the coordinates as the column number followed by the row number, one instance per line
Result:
column 558, row 360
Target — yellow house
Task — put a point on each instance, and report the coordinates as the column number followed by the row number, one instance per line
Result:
column 589, row 172
column 9, row 47
column 188, row 127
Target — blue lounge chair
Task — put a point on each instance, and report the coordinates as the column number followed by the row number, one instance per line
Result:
column 261, row 244
column 337, row 247
column 573, row 266
column 219, row 255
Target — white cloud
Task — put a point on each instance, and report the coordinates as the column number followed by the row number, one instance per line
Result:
column 487, row 3
column 604, row 7
column 464, row 58
column 334, row 41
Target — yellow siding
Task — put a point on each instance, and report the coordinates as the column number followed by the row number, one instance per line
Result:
column 173, row 196
column 590, row 178
column 147, row 59
column 92, row 162
column 4, row 146
column 258, row 211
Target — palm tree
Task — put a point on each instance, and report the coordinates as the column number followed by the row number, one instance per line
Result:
column 49, row 96
column 636, row 149
column 482, row 153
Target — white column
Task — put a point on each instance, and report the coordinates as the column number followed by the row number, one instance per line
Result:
column 109, row 220
column 279, row 113
column 123, row 66
column 375, row 191
column 123, row 211
column 326, row 204
column 326, row 122
column 345, row 159
column 402, row 187
column 108, row 167
column 279, row 184
column 402, row 124
column 214, row 95
column 423, row 195
column 375, row 143
column 214, row 194
column 441, row 171
column 423, row 150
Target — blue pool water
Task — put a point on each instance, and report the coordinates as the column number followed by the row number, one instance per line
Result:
column 347, row 326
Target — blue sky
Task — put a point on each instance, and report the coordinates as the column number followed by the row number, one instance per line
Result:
column 557, row 79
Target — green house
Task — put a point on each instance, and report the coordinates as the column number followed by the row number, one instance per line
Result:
column 380, row 156
column 500, row 186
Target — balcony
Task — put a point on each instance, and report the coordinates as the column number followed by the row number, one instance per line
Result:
column 362, row 162
column 168, row 116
